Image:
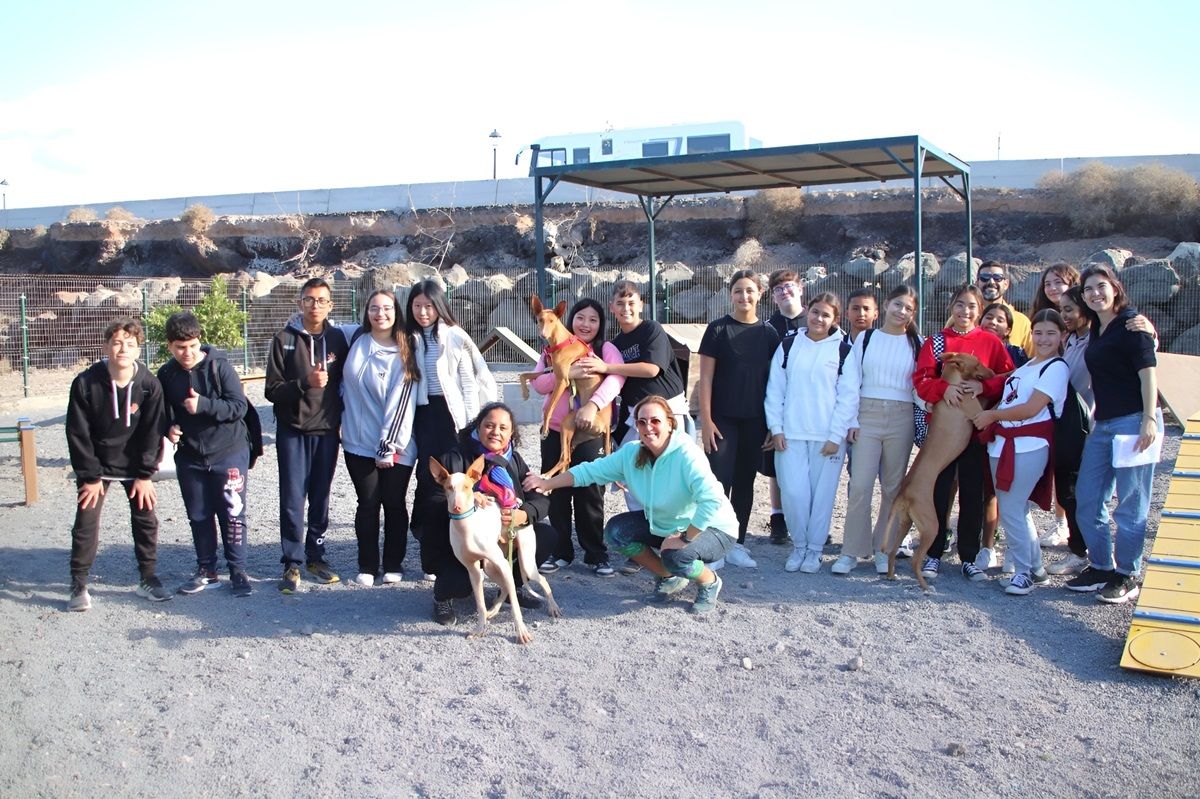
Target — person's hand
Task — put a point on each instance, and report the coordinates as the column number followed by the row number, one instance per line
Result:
column 174, row 434
column 535, row 482
column 387, row 464
column 319, row 377
column 673, row 542
column 89, row 494
column 953, row 396
column 852, row 435
column 576, row 371
column 585, row 417
column 192, row 403
column 778, row 442
column 142, row 492
column 1148, row 433
column 829, row 448
column 768, row 444
column 971, row 388
column 983, row 419
column 592, row 365
column 513, row 517
column 1140, row 324
column 709, row 435
column 482, row 500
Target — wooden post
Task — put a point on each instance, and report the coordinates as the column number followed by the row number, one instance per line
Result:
column 28, row 460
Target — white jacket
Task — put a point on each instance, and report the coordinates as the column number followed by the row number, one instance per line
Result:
column 467, row 384
column 807, row 401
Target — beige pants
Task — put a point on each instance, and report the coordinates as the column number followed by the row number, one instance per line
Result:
column 885, row 442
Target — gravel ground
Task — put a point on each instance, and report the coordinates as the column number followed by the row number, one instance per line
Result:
column 353, row 690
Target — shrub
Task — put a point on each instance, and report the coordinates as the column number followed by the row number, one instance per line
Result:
column 119, row 214
column 773, row 215
column 81, row 214
column 219, row 317
column 1100, row 199
column 197, row 218
column 5, row 236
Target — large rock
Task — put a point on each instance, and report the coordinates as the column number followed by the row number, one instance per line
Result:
column 954, row 271
column 455, row 276
column 867, row 269
column 263, row 283
column 1188, row 342
column 749, row 254
column 1022, row 290
column 1151, row 283
column 486, row 291
column 161, row 290
column 1185, row 259
column 1112, row 257
column 907, row 265
column 691, row 304
column 675, row 275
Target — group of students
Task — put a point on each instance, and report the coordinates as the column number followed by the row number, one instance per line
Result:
column 792, row 397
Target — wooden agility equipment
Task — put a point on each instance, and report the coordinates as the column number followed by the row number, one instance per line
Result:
column 22, row 434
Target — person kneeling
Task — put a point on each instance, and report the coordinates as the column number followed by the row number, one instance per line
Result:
column 686, row 515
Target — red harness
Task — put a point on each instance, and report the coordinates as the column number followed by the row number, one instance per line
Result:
column 553, row 348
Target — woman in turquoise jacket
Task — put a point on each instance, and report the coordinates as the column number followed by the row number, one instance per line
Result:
column 685, row 513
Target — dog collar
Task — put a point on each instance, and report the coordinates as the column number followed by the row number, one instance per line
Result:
column 551, row 349
column 459, row 516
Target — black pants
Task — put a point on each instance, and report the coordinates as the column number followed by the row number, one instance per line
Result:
column 433, row 429
column 735, row 463
column 85, row 534
column 588, row 503
column 1068, row 453
column 970, row 468
column 439, row 558
column 385, row 489
column 307, row 462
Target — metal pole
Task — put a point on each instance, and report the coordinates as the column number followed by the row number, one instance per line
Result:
column 918, row 159
column 24, row 346
column 354, row 300
column 539, row 236
column 245, row 331
column 970, row 243
column 649, row 209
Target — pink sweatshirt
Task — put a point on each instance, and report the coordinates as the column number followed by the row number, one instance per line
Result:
column 605, row 393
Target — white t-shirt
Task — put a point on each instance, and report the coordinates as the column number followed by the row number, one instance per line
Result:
column 1019, row 388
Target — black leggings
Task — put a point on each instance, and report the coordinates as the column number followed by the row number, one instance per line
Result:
column 970, row 469
column 587, row 501
column 1068, row 452
column 735, row 463
column 377, row 489
column 433, row 429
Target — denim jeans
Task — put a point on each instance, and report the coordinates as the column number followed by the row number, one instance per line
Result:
column 1134, row 484
column 629, row 533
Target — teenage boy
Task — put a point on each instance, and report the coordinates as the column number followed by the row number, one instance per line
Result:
column 206, row 411
column 862, row 311
column 114, row 433
column 788, row 294
column 304, row 378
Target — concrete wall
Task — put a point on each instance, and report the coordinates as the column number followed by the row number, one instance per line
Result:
column 517, row 191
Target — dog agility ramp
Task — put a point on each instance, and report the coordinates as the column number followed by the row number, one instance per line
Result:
column 1165, row 634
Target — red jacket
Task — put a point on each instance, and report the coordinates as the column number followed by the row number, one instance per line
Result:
column 979, row 342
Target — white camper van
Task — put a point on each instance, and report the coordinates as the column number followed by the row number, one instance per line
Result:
column 619, row 145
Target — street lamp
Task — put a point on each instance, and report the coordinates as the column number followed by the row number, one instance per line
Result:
column 4, row 195
column 495, row 137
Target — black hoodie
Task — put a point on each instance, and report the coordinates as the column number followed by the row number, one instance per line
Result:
column 114, row 431
column 217, row 428
column 295, row 354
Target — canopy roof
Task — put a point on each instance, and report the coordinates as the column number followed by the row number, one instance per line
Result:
column 765, row 168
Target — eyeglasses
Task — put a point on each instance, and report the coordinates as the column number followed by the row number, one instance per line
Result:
column 785, row 288
column 320, row 302
column 991, row 277
column 653, row 421
column 378, row 309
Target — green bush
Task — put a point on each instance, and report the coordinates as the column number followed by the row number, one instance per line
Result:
column 1100, row 199
column 220, row 320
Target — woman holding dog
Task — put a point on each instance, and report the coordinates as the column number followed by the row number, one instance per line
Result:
column 969, row 469
column 586, row 322
column 810, row 406
column 454, row 383
column 685, row 514
column 735, row 358
column 1122, row 364
column 493, row 434
column 378, row 379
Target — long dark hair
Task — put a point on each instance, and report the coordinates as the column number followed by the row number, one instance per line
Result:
column 1069, row 275
column 1008, row 316
column 432, row 291
column 1120, row 298
column 465, row 442
column 1053, row 317
column 397, row 332
column 1075, row 295
column 588, row 302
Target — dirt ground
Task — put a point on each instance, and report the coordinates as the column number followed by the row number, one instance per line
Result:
column 355, row 691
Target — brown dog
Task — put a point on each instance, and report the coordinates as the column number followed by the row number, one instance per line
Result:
column 563, row 348
column 950, row 431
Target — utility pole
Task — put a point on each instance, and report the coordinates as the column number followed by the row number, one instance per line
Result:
column 495, row 137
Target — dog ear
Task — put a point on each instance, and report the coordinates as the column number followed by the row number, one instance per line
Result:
column 983, row 373
column 535, row 305
column 437, row 470
column 475, row 470
column 560, row 309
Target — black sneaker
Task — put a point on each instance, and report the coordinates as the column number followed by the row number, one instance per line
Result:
column 550, row 566
column 239, row 584
column 203, row 578
column 973, row 572
column 1120, row 589
column 321, row 572
column 527, row 599
column 152, row 588
column 631, row 567
column 603, row 569
column 290, row 582
column 443, row 612
column 779, row 529
column 1039, row 577
column 1090, row 580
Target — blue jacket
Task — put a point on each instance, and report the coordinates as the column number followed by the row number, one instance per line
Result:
column 677, row 490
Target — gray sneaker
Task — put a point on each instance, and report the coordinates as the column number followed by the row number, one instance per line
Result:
column 152, row 588
column 80, row 599
column 203, row 578
column 706, row 597
column 664, row 587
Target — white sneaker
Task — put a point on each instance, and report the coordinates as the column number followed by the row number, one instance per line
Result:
column 391, row 578
column 812, row 563
column 1010, row 566
column 1071, row 564
column 881, row 563
column 1057, row 535
column 365, row 579
column 844, row 564
column 795, row 560
column 740, row 556
column 429, row 578
column 986, row 559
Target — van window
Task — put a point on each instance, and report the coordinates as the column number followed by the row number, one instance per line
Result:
column 652, row 149
column 606, row 147
column 716, row 143
column 581, row 155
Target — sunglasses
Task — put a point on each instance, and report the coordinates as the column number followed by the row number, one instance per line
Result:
column 991, row 277
column 653, row 421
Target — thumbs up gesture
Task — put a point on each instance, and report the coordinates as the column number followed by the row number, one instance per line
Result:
column 192, row 403
column 320, row 377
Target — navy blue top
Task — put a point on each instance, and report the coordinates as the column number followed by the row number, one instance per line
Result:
column 1114, row 359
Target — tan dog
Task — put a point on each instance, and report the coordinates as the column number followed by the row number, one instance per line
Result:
column 563, row 348
column 476, row 537
column 950, row 431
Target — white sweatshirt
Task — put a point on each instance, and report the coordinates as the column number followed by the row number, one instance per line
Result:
column 807, row 401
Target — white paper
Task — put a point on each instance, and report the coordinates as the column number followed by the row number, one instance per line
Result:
column 1125, row 452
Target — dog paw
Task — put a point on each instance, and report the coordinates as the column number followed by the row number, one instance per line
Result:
column 479, row 632
column 523, row 636
column 555, row 612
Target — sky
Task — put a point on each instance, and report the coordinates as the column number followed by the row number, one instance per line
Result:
column 143, row 99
